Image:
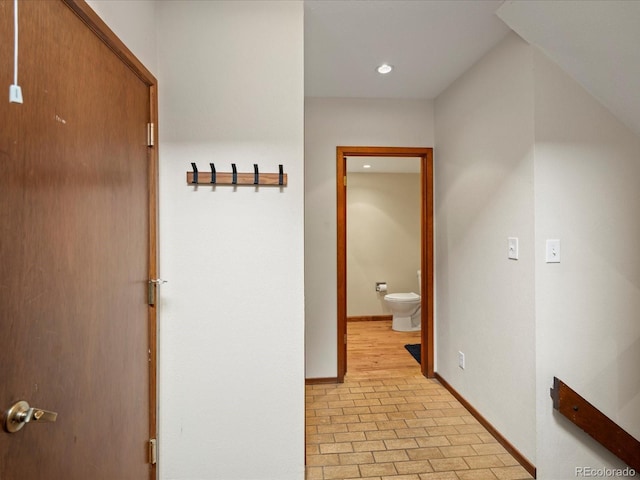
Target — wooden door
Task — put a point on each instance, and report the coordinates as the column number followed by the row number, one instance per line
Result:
column 76, row 249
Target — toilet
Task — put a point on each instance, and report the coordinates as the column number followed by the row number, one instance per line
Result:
column 405, row 308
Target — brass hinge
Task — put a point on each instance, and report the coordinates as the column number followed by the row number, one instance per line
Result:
column 151, row 294
column 151, row 299
column 150, row 137
column 153, row 451
column 345, row 180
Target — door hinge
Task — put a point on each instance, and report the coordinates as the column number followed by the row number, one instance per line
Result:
column 345, row 180
column 151, row 299
column 150, row 136
column 153, row 451
column 151, row 294
column 345, row 338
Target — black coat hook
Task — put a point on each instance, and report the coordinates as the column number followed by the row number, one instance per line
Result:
column 280, row 175
column 256, row 174
column 195, row 173
column 234, row 177
column 213, row 173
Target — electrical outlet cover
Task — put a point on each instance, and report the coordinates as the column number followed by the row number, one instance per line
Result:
column 461, row 360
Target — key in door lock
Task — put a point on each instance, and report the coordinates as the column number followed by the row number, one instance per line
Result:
column 21, row 413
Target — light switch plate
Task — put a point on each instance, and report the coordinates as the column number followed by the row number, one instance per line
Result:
column 552, row 254
column 513, row 248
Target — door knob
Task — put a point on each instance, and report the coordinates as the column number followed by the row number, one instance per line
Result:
column 20, row 413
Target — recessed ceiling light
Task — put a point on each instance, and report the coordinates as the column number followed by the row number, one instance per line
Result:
column 366, row 166
column 384, row 68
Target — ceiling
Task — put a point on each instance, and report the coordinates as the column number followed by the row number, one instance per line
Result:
column 431, row 43
column 596, row 42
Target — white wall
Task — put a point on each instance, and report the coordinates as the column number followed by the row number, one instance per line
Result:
column 383, row 237
column 521, row 145
column 332, row 122
column 484, row 194
column 232, row 314
column 134, row 22
column 587, row 330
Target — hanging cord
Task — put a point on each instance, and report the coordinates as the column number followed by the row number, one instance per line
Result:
column 15, row 42
column 15, row 92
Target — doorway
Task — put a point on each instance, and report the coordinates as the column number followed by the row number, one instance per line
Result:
column 425, row 156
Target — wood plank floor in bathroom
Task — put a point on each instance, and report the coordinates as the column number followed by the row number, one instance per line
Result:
column 374, row 350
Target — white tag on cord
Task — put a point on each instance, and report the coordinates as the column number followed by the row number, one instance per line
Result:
column 15, row 94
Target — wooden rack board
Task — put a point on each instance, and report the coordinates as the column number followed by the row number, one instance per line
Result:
column 595, row 423
column 222, row 178
column 236, row 178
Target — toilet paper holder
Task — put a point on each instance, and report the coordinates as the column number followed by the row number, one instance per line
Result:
column 381, row 287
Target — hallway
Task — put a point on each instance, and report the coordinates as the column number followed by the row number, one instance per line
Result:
column 386, row 421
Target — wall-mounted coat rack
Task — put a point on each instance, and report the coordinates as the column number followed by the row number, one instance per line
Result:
column 234, row 178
